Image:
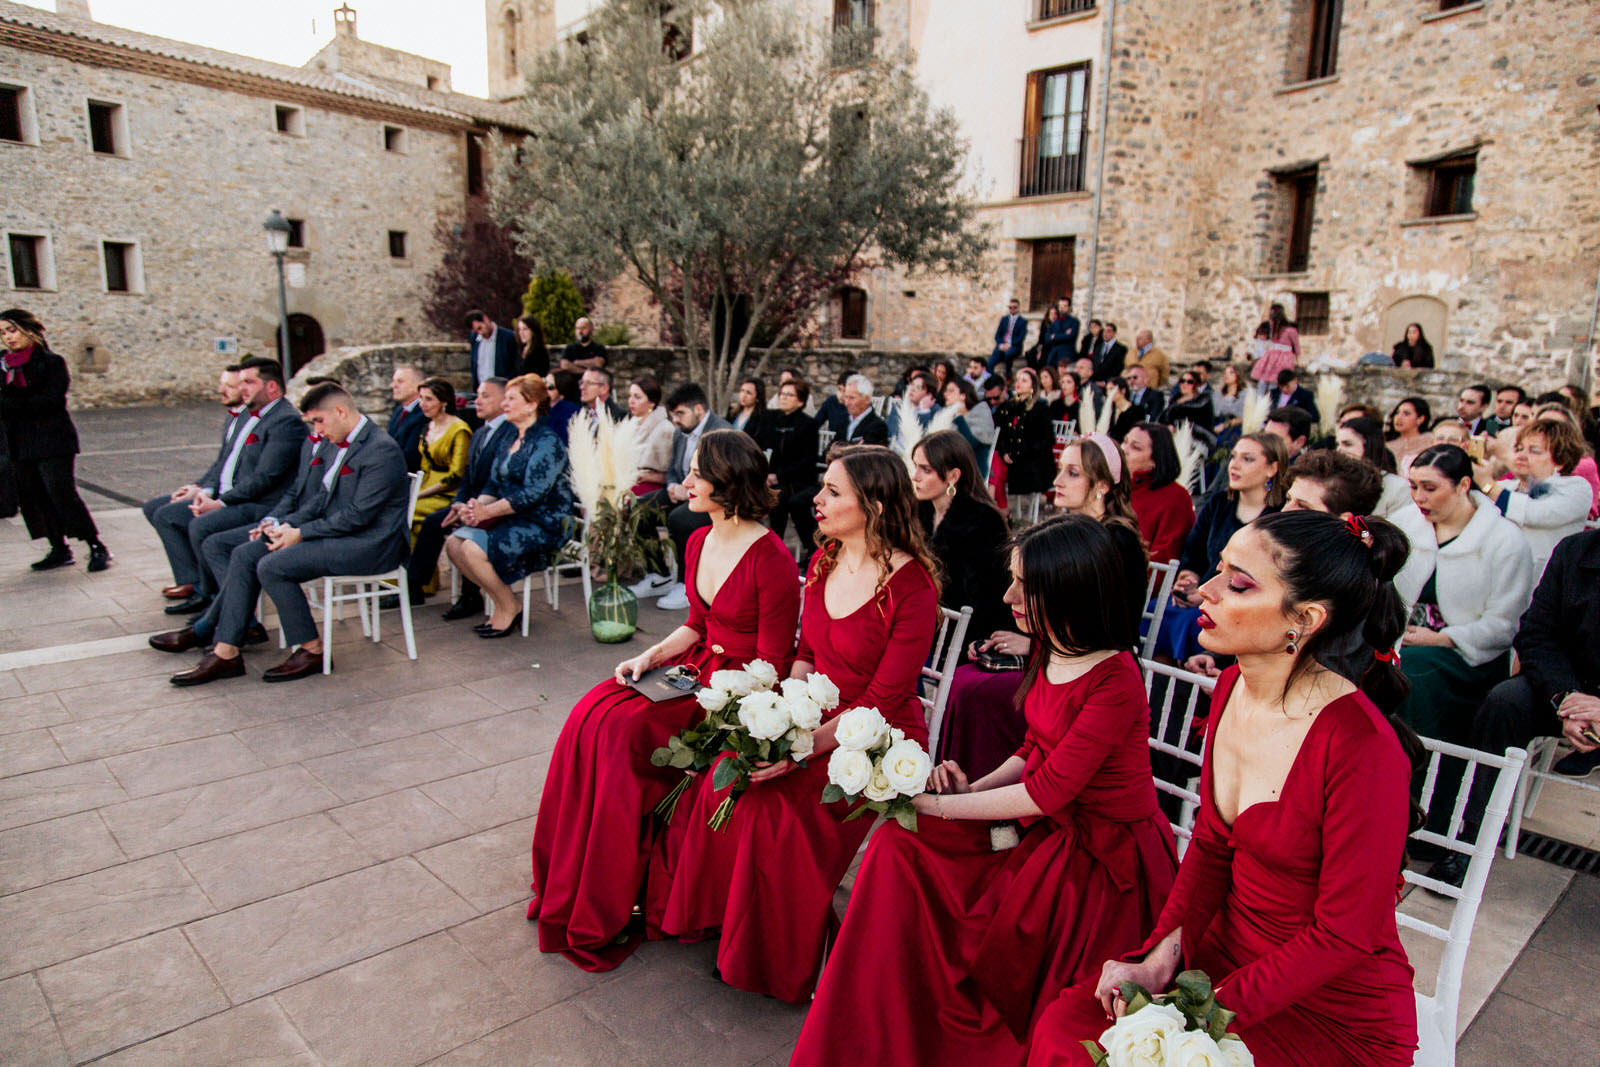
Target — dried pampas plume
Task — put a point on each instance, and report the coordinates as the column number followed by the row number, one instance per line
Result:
column 908, row 428
column 1330, row 396
column 1191, row 456
column 604, row 457
column 1256, row 406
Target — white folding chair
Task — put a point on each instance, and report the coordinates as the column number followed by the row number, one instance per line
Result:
column 824, row 442
column 1157, row 595
column 1542, row 752
column 1436, row 1014
column 1063, row 429
column 1171, row 730
column 880, row 404
column 947, row 646
column 367, row 591
column 558, row 567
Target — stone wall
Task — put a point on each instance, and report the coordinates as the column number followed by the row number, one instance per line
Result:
column 365, row 371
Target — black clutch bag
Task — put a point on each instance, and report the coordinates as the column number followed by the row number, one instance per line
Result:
column 667, row 683
column 996, row 662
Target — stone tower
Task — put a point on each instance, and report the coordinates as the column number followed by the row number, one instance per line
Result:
column 518, row 30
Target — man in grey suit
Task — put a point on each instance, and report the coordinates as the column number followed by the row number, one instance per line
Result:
column 356, row 524
column 691, row 413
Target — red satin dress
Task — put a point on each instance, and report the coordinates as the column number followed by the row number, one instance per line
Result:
column 1291, row 909
column 950, row 950
column 767, row 878
column 592, row 841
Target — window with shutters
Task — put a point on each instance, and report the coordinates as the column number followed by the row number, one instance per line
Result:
column 1054, row 145
column 1311, row 313
column 852, row 313
column 1052, row 272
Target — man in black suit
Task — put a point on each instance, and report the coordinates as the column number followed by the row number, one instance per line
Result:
column 259, row 467
column 1010, row 335
column 594, row 391
column 1091, row 338
column 1291, row 393
column 172, row 524
column 584, row 352
column 1292, row 423
column 406, row 421
column 862, row 426
column 493, row 349
column 1142, row 394
column 690, row 411
column 1109, row 354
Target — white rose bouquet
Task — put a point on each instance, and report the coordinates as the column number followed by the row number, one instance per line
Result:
column 753, row 718
column 877, row 765
column 1183, row 1028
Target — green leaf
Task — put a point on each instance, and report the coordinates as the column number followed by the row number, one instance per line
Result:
column 682, row 759
column 832, row 794
column 727, row 772
column 1096, row 1053
column 1195, row 985
column 1136, row 996
column 856, row 814
column 661, row 757
column 906, row 816
column 764, row 751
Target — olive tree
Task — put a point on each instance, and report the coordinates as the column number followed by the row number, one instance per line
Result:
column 758, row 172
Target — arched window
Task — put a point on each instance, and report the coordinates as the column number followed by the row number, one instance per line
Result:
column 508, row 33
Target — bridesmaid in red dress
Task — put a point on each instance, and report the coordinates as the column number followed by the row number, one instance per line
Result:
column 950, row 948
column 767, row 879
column 1287, row 893
column 591, row 844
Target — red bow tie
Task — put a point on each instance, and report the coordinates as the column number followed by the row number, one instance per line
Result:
column 343, row 444
column 315, row 438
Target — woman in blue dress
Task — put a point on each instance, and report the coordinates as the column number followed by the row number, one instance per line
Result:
column 524, row 513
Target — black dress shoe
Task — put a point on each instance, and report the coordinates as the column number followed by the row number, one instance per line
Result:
column 491, row 632
column 1452, row 870
column 99, row 558
column 60, row 556
column 177, row 641
column 463, row 609
column 389, row 603
column 193, row 606
column 255, row 635
column 210, row 668
column 300, row 664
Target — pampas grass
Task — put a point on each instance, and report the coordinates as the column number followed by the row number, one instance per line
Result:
column 1330, row 396
column 1256, row 406
column 1191, row 456
column 604, row 456
column 1086, row 410
column 908, row 428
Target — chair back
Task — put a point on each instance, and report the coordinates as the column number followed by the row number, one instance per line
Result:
column 1157, row 595
column 1172, row 736
column 411, row 509
column 1436, row 1015
column 1063, row 429
column 824, row 442
column 880, row 404
column 940, row 669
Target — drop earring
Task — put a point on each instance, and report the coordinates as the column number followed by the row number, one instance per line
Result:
column 1294, row 642
column 1269, row 489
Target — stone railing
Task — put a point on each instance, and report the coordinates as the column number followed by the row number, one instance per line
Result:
column 365, row 370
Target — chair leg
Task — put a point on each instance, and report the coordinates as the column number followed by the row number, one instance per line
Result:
column 405, row 618
column 527, row 601
column 327, row 626
column 1541, row 767
column 377, row 593
column 552, row 586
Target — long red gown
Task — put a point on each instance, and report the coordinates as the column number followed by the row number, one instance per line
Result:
column 949, row 950
column 1291, row 910
column 592, row 841
column 767, row 878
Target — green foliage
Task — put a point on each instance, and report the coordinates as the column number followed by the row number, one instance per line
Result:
column 554, row 300
column 756, row 170
column 614, row 335
column 1191, row 994
column 624, row 540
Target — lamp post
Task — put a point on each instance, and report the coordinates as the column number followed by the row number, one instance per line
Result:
column 277, row 228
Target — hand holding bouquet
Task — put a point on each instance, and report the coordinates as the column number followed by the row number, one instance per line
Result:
column 1183, row 1028
column 878, row 765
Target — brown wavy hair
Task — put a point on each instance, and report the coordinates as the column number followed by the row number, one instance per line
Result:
column 737, row 470
column 877, row 475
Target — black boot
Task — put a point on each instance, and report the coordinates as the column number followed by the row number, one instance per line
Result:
column 99, row 557
column 60, row 555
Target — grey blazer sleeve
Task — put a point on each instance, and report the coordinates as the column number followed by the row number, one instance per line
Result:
column 359, row 498
column 282, row 433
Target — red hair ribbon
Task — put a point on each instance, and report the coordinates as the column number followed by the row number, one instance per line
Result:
column 1358, row 528
column 1386, row 655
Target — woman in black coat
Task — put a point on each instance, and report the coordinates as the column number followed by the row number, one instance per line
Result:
column 1025, row 439
column 965, row 531
column 43, row 442
column 791, row 436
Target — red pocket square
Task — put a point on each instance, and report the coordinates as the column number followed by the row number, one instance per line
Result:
column 345, row 470
column 316, row 461
column 252, row 440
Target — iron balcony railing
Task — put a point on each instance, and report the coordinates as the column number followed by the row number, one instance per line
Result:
column 1051, row 164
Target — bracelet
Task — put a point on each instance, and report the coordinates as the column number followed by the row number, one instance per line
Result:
column 938, row 804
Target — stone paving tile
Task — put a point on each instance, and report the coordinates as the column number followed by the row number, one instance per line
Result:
column 44, row 852
column 66, row 919
column 266, row 946
column 58, row 677
column 1564, row 986
column 495, row 794
column 271, row 860
column 1569, row 930
column 478, row 867
column 48, row 635
column 30, row 712
column 1512, row 1031
column 561, row 1036
column 293, row 740
column 110, row 999
column 9, row 686
column 27, row 1030
column 257, row 1033
column 510, row 690
column 29, row 750
column 26, row 798
column 368, row 772
column 135, row 694
column 156, row 726
column 189, row 816
column 504, row 737
column 186, row 763
column 508, row 944
column 417, row 1001
column 396, row 824
column 414, row 713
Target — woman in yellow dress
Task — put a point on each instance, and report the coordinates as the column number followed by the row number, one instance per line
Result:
column 444, row 455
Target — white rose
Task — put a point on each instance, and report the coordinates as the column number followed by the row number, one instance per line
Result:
column 1141, row 1039
column 861, row 729
column 764, row 715
column 823, row 691
column 1234, row 1054
column 794, row 688
column 802, row 745
column 896, row 735
column 850, row 770
column 907, row 767
column 763, row 673
column 1194, row 1048
column 878, row 787
column 737, row 683
column 713, row 699
column 804, row 711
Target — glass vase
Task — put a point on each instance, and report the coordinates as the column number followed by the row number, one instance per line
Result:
column 613, row 613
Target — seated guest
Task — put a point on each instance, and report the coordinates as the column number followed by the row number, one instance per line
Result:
column 1362, row 438
column 1256, row 475
column 594, row 393
column 791, row 434
column 653, row 434
column 1452, row 431
column 352, row 521
column 565, row 402
column 511, row 529
column 1290, row 393
column 690, row 413
column 974, row 420
column 1585, row 467
column 860, row 426
column 924, row 402
column 950, row 949
column 1409, row 434
column 592, row 841
column 1547, row 501
column 793, row 374
column 488, row 442
column 1124, row 413
column 1164, row 508
column 406, row 420
column 1152, row 359
column 1293, row 425
column 831, row 413
column 976, row 370
column 1025, row 440
column 1143, row 394
column 1413, row 350
column 1050, row 389
column 1286, row 895
column 748, row 412
column 444, row 446
column 1191, row 405
column 963, row 528
column 1228, row 399
column 942, row 373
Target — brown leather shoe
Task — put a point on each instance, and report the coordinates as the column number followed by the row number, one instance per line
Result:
column 210, row 668
column 177, row 641
column 300, row 664
column 178, row 592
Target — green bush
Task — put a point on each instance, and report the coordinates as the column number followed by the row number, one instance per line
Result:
column 554, row 300
column 614, row 335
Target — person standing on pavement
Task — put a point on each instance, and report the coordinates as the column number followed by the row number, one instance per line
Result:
column 43, row 443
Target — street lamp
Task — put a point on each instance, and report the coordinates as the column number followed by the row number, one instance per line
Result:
column 277, row 228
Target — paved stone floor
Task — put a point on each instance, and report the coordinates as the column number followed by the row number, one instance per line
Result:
column 335, row 870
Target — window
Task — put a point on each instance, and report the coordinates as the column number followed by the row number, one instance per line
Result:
column 397, row 244
column 1449, row 185
column 1052, row 272
column 508, row 34
column 1450, row 5
column 677, row 34
column 1322, row 53
column 394, row 139
column 108, row 128
column 123, row 269
column 1311, row 313
column 852, row 313
column 474, row 164
column 289, row 120
column 1054, row 9
column 1298, row 197
column 1055, row 136
column 32, row 266
column 297, row 233
column 16, row 115
column 852, row 31
column 433, row 83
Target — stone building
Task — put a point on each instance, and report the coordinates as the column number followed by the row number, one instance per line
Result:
column 138, row 172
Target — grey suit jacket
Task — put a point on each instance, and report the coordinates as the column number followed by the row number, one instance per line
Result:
column 366, row 508
column 214, row 472
column 303, row 499
column 267, row 462
column 678, row 469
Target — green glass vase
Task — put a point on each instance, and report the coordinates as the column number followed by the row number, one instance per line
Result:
column 613, row 613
